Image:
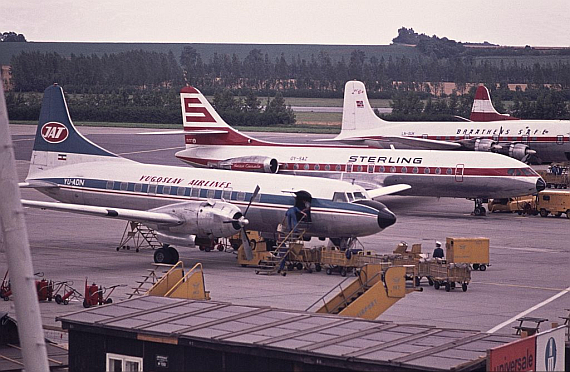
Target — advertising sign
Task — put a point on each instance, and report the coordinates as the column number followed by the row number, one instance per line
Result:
column 550, row 350
column 519, row 355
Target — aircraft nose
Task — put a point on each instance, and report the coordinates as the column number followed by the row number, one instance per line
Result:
column 540, row 185
column 386, row 218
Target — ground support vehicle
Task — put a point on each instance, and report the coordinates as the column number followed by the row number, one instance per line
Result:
column 553, row 202
column 472, row 251
column 444, row 274
column 521, row 205
column 557, row 176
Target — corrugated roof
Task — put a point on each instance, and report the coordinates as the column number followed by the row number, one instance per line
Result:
column 290, row 331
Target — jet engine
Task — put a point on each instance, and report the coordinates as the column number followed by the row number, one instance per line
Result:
column 518, row 151
column 262, row 164
column 486, row 145
column 202, row 220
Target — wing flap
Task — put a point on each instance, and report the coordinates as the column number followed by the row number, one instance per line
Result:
column 118, row 213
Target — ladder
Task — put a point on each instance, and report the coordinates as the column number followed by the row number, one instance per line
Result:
column 288, row 247
column 140, row 236
column 150, row 279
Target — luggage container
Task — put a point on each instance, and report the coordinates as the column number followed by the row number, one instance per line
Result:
column 447, row 275
column 473, row 251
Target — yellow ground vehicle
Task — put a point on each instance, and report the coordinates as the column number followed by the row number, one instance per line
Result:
column 556, row 177
column 553, row 202
column 522, row 204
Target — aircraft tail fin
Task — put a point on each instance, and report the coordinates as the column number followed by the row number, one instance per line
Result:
column 204, row 126
column 483, row 109
column 357, row 114
column 57, row 142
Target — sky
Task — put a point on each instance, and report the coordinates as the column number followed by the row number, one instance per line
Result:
column 354, row 22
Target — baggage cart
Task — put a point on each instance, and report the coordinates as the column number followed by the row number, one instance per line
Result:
column 448, row 275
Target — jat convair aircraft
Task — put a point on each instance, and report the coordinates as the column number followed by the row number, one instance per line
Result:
column 526, row 140
column 186, row 206
column 210, row 142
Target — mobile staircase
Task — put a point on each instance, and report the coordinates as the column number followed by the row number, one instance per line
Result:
column 376, row 288
column 140, row 236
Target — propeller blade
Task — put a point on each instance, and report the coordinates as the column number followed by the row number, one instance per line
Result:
column 238, row 221
column 255, row 192
column 246, row 246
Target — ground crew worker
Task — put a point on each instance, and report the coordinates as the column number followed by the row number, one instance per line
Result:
column 438, row 251
column 292, row 216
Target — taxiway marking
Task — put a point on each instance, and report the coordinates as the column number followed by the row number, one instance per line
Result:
column 523, row 313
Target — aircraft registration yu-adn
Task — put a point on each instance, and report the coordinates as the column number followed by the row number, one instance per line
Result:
column 185, row 206
column 534, row 141
column 211, row 142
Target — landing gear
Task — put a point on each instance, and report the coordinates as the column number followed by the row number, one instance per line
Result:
column 166, row 255
column 479, row 209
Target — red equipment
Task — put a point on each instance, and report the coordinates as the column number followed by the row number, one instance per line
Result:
column 44, row 289
column 5, row 288
column 68, row 293
column 94, row 294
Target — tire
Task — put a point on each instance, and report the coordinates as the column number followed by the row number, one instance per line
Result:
column 430, row 282
column 220, row 247
column 417, row 281
column 6, row 298
column 58, row 299
column 161, row 256
column 475, row 266
column 343, row 272
column 543, row 213
column 568, row 213
column 86, row 304
column 200, row 247
column 109, row 301
column 477, row 211
column 483, row 267
column 299, row 266
column 558, row 214
column 464, row 287
column 436, row 285
column 174, row 256
column 447, row 287
column 318, row 268
column 208, row 248
column 328, row 271
column 291, row 267
column 66, row 301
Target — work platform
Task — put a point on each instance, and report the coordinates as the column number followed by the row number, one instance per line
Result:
column 179, row 334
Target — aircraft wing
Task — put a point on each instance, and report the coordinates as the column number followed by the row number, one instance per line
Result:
column 118, row 213
column 387, row 190
column 408, row 141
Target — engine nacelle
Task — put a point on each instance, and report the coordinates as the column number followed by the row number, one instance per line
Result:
column 485, row 145
column 517, row 150
column 201, row 220
column 250, row 164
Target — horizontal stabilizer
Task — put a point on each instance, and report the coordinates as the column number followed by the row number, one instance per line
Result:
column 35, row 184
column 189, row 132
column 423, row 142
column 118, row 213
column 387, row 190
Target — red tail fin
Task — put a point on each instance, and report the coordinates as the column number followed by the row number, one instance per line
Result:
column 483, row 109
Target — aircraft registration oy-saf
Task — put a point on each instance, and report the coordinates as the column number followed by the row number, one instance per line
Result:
column 185, row 206
column 535, row 141
column 211, row 142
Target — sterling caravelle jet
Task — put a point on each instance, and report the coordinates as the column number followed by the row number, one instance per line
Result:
column 525, row 140
column 211, row 142
column 185, row 206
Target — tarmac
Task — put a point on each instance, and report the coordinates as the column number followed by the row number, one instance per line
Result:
column 529, row 255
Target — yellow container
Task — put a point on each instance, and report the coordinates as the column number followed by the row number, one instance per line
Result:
column 467, row 250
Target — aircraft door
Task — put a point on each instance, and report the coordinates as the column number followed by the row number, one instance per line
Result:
column 459, row 172
column 303, row 201
column 349, row 168
column 559, row 140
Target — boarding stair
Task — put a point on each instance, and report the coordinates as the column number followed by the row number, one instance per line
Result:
column 176, row 284
column 153, row 275
column 289, row 245
column 375, row 289
column 140, row 236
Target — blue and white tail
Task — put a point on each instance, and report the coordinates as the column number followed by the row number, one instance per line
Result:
column 357, row 114
column 204, row 126
column 57, row 142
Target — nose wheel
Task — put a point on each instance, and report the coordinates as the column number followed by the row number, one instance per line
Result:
column 479, row 209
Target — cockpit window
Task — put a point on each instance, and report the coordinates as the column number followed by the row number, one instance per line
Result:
column 359, row 196
column 350, row 196
column 339, row 197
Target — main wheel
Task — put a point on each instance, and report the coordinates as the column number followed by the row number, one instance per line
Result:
column 447, row 287
column 161, row 256
column 174, row 256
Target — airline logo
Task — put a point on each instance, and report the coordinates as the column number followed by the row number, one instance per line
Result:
column 196, row 114
column 54, row 132
column 360, row 104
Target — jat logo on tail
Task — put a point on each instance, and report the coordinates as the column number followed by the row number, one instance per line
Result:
column 54, row 132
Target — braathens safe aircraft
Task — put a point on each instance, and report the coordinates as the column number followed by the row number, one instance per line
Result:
column 211, row 142
column 526, row 140
column 483, row 109
column 186, row 206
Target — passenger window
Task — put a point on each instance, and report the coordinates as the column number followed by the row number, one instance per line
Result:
column 124, row 186
column 227, row 194
column 180, row 191
column 426, row 170
column 337, row 168
column 339, row 197
column 241, row 195
column 166, row 190
column 195, row 192
column 152, row 189
column 317, row 167
column 328, row 167
column 110, row 185
column 138, row 187
column 546, row 197
column 211, row 193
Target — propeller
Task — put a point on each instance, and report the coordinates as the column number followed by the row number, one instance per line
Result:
column 239, row 222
